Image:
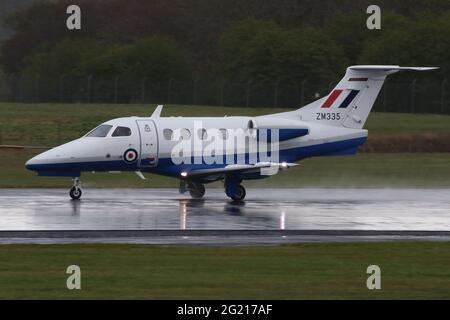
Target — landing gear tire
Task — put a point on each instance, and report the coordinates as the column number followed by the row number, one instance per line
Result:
column 240, row 194
column 75, row 193
column 197, row 191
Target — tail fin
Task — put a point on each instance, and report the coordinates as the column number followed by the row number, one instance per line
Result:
column 350, row 102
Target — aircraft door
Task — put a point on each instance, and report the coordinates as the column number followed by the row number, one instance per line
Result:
column 149, row 143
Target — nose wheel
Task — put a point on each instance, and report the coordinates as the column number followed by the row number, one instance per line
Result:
column 75, row 191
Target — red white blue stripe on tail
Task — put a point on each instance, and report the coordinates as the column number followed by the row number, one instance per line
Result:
column 335, row 94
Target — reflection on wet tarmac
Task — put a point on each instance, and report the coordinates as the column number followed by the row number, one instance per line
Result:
column 291, row 209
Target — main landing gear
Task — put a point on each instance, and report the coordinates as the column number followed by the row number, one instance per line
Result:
column 196, row 190
column 75, row 191
column 234, row 189
column 239, row 194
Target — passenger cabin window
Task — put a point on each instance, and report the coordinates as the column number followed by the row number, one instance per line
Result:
column 167, row 133
column 100, row 132
column 122, row 132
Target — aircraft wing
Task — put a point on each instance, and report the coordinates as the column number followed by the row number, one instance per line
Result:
column 261, row 168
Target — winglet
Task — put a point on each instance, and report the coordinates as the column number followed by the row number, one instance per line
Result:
column 157, row 112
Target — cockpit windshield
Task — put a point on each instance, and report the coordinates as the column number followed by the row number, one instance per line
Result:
column 100, row 132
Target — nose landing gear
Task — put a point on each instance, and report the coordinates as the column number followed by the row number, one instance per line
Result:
column 75, row 191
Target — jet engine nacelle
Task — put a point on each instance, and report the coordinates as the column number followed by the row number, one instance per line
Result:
column 286, row 129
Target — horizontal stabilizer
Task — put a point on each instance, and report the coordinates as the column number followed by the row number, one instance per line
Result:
column 390, row 68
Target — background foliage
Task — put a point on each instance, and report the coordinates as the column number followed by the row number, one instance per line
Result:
column 252, row 39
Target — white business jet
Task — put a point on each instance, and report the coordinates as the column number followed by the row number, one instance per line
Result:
column 201, row 150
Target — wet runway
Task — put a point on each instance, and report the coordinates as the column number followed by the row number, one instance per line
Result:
column 311, row 213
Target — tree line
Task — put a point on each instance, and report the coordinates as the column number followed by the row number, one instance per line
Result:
column 252, row 40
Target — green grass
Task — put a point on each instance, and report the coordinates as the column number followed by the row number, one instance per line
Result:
column 37, row 124
column 393, row 123
column 414, row 270
column 367, row 169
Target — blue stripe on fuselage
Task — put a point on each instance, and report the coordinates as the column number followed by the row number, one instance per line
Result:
column 167, row 167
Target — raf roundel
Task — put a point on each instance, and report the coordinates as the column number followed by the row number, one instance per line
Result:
column 130, row 156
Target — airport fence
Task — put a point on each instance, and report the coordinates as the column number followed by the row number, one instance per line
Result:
column 420, row 95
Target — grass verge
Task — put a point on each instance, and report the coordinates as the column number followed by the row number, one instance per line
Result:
column 367, row 169
column 410, row 270
column 52, row 124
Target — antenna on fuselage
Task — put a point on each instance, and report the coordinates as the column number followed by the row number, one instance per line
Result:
column 157, row 112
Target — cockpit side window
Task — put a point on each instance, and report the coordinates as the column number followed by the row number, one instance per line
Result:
column 100, row 132
column 121, row 132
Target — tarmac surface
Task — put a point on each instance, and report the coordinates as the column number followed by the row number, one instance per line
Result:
column 268, row 216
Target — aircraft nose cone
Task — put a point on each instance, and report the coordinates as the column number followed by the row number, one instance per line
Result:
column 31, row 164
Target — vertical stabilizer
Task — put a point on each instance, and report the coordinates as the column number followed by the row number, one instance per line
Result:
column 350, row 102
